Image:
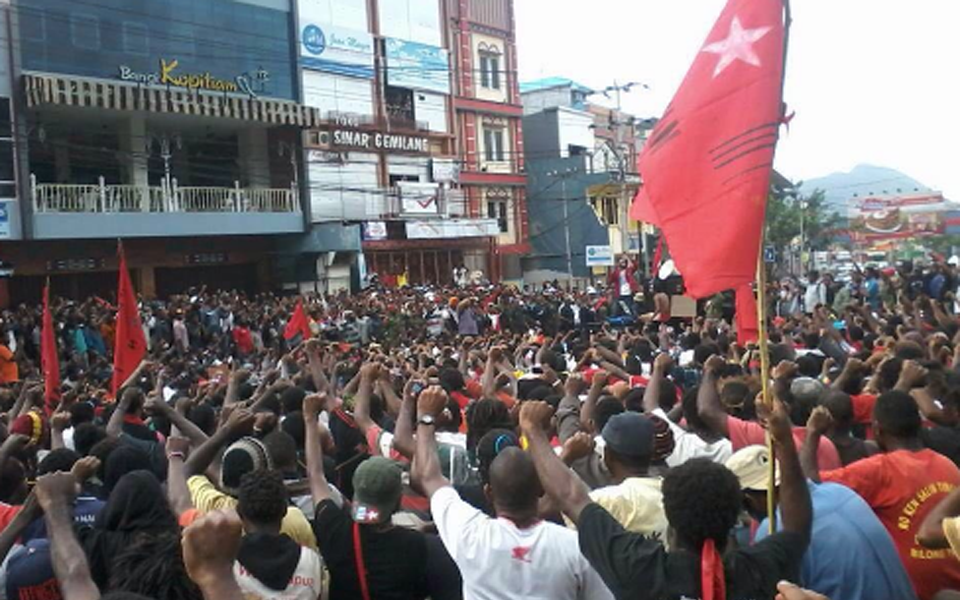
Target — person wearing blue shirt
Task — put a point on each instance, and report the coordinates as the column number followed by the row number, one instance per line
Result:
column 851, row 556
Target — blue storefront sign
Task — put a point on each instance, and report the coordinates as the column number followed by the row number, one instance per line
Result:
column 336, row 50
column 417, row 66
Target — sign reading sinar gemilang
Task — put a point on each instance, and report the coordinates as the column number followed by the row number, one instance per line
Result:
column 365, row 140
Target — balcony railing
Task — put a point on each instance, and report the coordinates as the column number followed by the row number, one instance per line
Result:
column 172, row 198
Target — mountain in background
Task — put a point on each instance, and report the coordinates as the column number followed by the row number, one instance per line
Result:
column 843, row 190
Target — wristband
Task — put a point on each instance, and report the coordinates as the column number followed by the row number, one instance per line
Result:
column 179, row 455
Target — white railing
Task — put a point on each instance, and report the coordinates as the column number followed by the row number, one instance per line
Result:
column 172, row 198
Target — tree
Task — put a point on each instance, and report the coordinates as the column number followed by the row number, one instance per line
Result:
column 783, row 220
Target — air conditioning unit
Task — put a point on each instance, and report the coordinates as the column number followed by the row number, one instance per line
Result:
column 324, row 140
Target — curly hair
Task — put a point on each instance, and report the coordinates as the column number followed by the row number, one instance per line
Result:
column 702, row 500
column 483, row 416
column 262, row 498
column 152, row 567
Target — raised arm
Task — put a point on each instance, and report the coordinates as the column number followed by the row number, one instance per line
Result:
column 210, row 548
column 818, row 424
column 239, row 423
column 708, row 398
column 193, row 433
column 12, row 532
column 795, row 505
column 559, row 482
column 115, row 424
column 361, row 402
column 178, row 493
column 404, row 441
column 427, row 476
column 590, row 404
column 651, row 395
column 55, row 493
column 313, row 405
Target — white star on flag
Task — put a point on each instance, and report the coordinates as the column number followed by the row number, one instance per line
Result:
column 737, row 46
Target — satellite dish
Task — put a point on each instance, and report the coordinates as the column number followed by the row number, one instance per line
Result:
column 667, row 270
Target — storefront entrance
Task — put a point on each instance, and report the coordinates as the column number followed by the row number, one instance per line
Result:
column 433, row 267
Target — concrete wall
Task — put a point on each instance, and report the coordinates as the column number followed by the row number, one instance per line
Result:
column 120, row 225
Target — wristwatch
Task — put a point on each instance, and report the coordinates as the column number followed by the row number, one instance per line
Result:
column 428, row 420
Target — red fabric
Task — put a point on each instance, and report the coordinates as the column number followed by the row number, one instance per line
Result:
column 131, row 344
column 49, row 360
column 361, row 566
column 903, row 487
column 706, row 168
column 713, row 585
column 461, row 399
column 613, row 279
column 748, row 323
column 243, row 340
column 747, row 433
column 298, row 324
column 863, row 411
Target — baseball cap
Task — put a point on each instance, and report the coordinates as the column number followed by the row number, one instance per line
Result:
column 630, row 434
column 377, row 486
column 30, row 572
column 751, row 465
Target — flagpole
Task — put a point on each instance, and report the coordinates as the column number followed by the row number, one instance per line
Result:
column 762, row 307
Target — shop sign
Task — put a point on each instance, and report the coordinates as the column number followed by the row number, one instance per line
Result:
column 336, row 50
column 366, row 140
column 207, row 258
column 252, row 84
column 600, row 256
column 75, row 264
column 417, row 66
column 375, row 230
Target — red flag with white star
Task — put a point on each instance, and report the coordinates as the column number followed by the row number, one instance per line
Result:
column 706, row 167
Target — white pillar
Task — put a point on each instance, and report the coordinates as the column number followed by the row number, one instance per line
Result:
column 254, row 157
column 133, row 148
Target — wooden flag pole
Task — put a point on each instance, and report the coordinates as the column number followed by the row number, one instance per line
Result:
column 762, row 312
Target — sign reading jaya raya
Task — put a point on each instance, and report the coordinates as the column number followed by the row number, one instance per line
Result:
column 345, row 138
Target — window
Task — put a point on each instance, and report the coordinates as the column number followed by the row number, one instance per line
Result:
column 497, row 209
column 8, row 178
column 489, row 66
column 400, row 107
column 135, row 38
column 607, row 209
column 493, row 144
column 85, row 32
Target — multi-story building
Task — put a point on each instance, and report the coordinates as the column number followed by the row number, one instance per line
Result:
column 401, row 113
column 172, row 125
column 582, row 164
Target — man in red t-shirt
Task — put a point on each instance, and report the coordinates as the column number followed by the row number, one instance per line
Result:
column 902, row 485
column 748, row 433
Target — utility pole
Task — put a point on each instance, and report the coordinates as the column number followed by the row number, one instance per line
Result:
column 568, row 249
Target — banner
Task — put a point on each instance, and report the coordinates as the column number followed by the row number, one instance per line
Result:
column 417, row 66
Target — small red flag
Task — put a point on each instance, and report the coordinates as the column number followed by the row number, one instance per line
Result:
column 706, row 167
column 49, row 358
column 131, row 344
column 298, row 324
column 748, row 325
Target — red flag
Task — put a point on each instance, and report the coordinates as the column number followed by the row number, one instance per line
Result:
column 748, row 325
column 706, row 167
column 49, row 359
column 298, row 324
column 131, row 344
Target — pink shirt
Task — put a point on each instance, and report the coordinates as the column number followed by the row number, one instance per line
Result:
column 747, row 433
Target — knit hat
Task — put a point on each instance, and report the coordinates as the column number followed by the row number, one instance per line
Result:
column 246, row 455
column 31, row 425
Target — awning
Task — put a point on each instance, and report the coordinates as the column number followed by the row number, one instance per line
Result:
column 45, row 89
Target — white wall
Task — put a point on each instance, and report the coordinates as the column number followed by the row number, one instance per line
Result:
column 342, row 13
column 343, row 191
column 411, row 20
column 338, row 93
column 432, row 109
column 574, row 129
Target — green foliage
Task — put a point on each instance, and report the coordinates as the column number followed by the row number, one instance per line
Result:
column 784, row 211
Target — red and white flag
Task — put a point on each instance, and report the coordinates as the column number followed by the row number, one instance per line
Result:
column 49, row 358
column 131, row 344
column 706, row 167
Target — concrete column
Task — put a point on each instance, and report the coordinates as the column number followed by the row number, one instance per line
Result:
column 133, row 149
column 148, row 282
column 254, row 158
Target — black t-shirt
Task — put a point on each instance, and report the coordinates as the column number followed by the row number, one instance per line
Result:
column 945, row 440
column 635, row 567
column 395, row 559
column 443, row 576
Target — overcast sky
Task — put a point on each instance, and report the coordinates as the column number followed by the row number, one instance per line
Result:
column 871, row 81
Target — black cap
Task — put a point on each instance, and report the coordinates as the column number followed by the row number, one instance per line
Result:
column 630, row 434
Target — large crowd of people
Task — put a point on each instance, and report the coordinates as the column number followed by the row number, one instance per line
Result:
column 487, row 442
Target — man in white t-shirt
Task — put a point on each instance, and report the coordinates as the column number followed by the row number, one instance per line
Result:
column 515, row 555
column 697, row 441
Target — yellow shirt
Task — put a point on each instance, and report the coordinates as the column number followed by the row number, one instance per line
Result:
column 207, row 498
column 637, row 504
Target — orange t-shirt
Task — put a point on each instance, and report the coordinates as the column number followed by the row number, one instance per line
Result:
column 9, row 373
column 903, row 487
